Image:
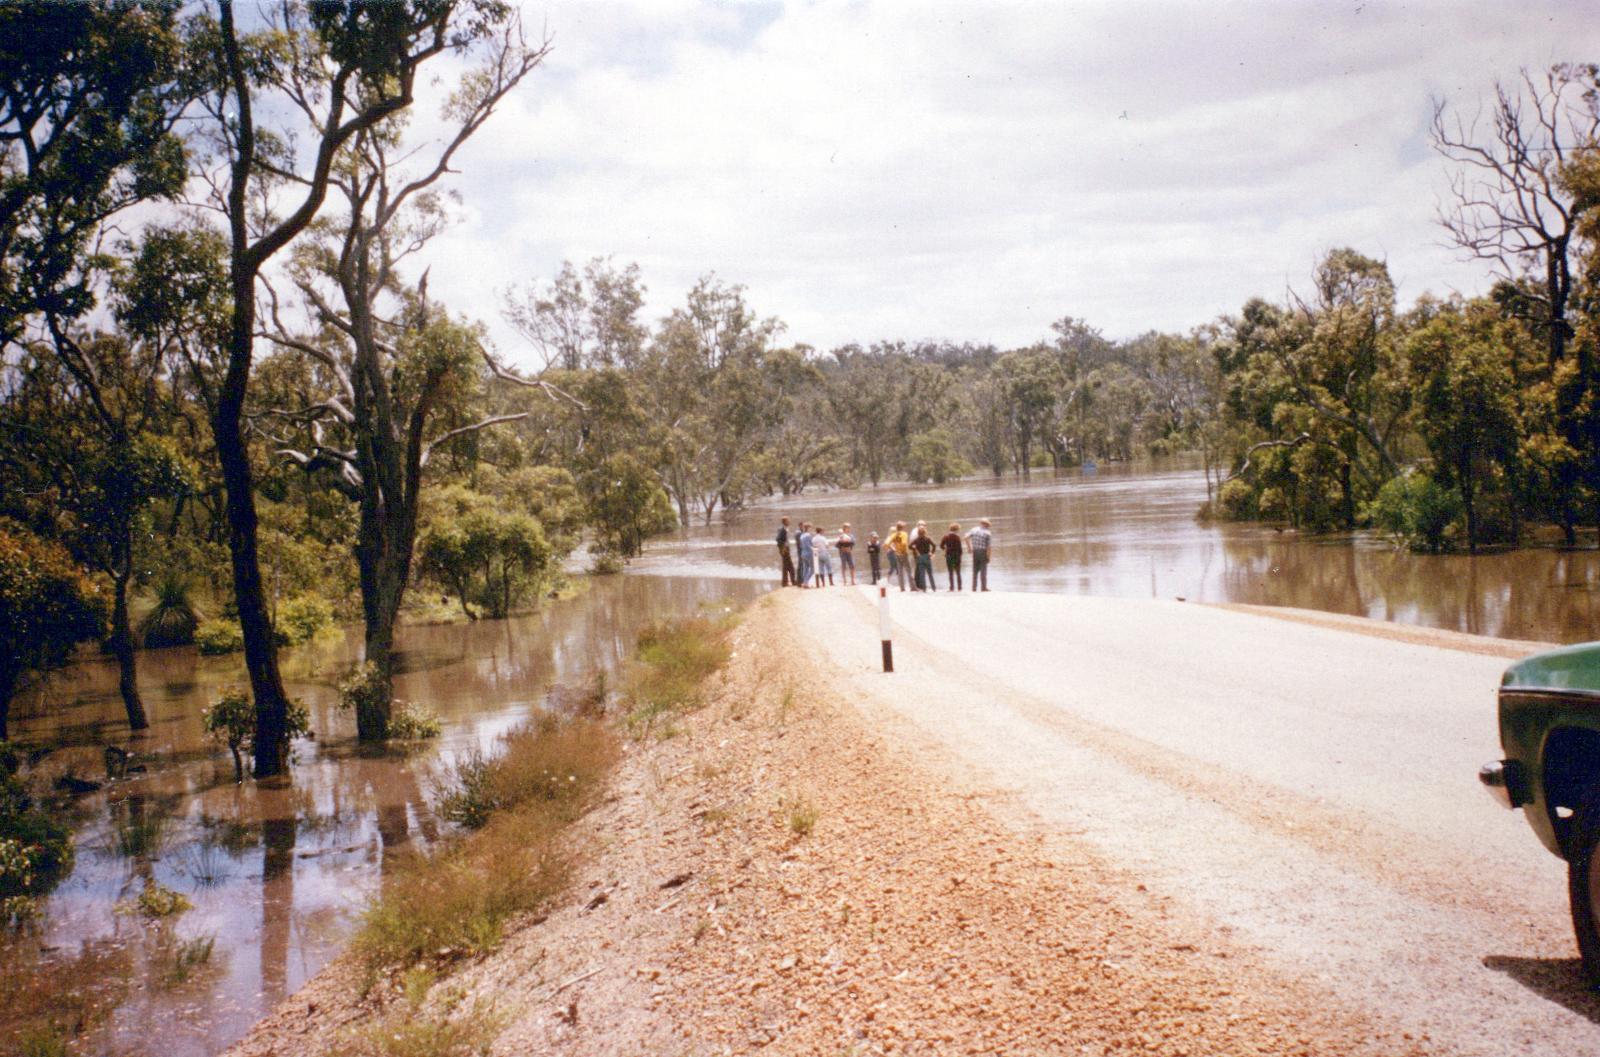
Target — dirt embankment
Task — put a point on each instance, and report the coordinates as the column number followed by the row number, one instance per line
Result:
column 782, row 874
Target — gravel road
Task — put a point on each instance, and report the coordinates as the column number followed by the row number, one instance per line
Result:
column 1306, row 787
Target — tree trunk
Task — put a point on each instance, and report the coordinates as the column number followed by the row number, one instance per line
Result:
column 249, row 592
column 1469, row 503
column 382, row 588
column 374, row 710
column 239, row 508
column 122, row 648
column 8, row 687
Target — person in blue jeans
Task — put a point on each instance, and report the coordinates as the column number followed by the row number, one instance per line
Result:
column 922, row 547
column 803, row 542
column 979, row 541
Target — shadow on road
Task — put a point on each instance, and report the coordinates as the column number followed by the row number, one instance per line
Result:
column 1558, row 979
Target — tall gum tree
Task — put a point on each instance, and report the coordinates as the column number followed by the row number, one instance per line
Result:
column 89, row 95
column 331, row 70
column 1508, row 202
column 393, row 360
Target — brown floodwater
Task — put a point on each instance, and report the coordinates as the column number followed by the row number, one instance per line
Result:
column 277, row 876
column 1131, row 532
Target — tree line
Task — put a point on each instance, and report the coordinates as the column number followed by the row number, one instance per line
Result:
column 229, row 401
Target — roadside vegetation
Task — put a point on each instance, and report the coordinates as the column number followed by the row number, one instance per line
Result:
column 513, row 854
column 675, row 659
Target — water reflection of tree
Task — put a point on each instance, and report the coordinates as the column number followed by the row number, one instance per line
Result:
column 1510, row 595
column 277, row 903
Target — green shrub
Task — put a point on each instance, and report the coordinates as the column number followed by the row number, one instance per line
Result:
column 300, row 618
column 231, row 720
column 47, row 606
column 1237, row 500
column 1418, row 511
column 174, row 617
column 35, row 849
column 411, row 721
column 213, row 637
column 456, row 900
column 156, row 901
column 674, row 658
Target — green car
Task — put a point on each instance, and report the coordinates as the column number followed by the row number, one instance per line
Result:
column 1550, row 732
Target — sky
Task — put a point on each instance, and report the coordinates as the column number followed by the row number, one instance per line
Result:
column 974, row 171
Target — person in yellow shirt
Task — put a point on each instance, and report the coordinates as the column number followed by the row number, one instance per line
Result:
column 899, row 546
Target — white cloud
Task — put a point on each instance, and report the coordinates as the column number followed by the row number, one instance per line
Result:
column 973, row 171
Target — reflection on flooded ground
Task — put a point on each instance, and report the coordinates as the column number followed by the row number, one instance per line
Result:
column 275, row 875
column 1131, row 532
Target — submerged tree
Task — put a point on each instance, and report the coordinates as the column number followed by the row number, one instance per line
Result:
column 86, row 462
column 330, row 71
column 393, row 363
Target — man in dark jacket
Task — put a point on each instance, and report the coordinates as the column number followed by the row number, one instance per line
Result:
column 789, row 579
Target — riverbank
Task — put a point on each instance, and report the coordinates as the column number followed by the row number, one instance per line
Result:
column 802, row 867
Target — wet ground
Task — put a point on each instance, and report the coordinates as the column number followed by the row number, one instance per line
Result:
column 276, row 875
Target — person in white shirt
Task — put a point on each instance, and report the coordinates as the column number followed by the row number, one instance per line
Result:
column 980, row 541
column 822, row 556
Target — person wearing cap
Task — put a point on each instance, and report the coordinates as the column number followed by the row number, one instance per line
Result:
column 980, row 541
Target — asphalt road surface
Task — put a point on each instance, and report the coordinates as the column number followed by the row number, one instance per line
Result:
column 1308, row 789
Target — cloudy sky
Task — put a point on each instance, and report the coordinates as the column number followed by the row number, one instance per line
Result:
column 975, row 170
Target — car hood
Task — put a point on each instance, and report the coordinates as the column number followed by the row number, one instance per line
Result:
column 1569, row 668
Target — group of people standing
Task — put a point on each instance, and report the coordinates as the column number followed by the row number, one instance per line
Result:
column 910, row 555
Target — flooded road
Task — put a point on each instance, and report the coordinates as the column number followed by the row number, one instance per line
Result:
column 1130, row 532
column 277, row 876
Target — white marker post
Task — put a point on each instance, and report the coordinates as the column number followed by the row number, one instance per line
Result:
column 883, row 627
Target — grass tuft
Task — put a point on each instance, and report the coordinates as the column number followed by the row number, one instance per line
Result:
column 408, row 1031
column 801, row 814
column 187, row 957
column 456, row 901
column 674, row 659
column 555, row 762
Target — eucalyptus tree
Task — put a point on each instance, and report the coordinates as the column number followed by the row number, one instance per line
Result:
column 392, row 361
column 711, row 388
column 321, row 73
column 585, row 320
column 89, row 94
column 1030, row 380
column 1509, row 204
column 86, row 462
column 1460, row 363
